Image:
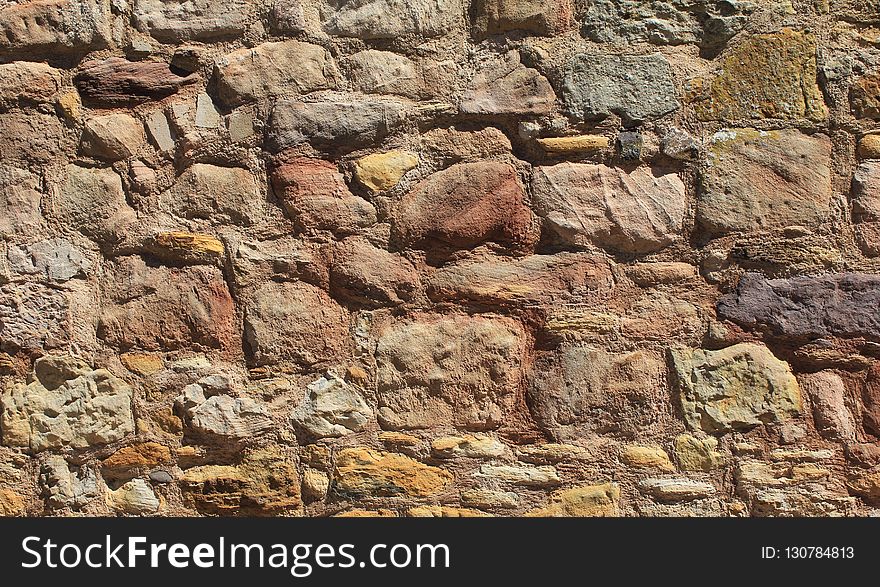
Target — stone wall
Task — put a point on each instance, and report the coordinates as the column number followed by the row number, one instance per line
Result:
column 440, row 258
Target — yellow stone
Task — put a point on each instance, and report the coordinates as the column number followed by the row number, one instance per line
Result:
column 697, row 454
column 867, row 486
column 646, row 456
column 767, row 76
column 585, row 501
column 147, row 454
column 366, row 472
column 869, row 147
column 69, row 105
column 577, row 144
column 181, row 244
column 367, row 514
column 442, row 511
column 142, row 363
column 399, row 438
column 266, row 482
column 11, row 503
column 382, row 171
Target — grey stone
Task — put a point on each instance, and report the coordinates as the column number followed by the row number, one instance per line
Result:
column 64, row 486
column 66, row 404
column 676, row 489
column 390, row 19
column 161, row 476
column 679, row 144
column 629, row 146
column 806, row 308
column 32, row 317
column 52, row 260
column 206, row 114
column 709, row 23
column 160, row 131
column 331, row 407
column 194, row 20
column 635, row 87
column 346, row 124
column 287, row 17
column 384, row 72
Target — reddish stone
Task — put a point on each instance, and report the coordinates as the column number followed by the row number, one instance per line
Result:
column 464, row 206
column 165, row 309
column 314, row 194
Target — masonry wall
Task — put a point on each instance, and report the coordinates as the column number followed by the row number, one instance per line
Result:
column 432, row 258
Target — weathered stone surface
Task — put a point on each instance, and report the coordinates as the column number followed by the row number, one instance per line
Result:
column 92, row 201
column 576, row 145
column 365, row 472
column 330, row 408
column 869, row 147
column 871, row 401
column 223, row 416
column 468, row 446
column 637, row 212
column 551, row 453
column 786, row 489
column 489, row 498
column 656, row 316
column 827, row 393
column 218, row 194
column 806, row 307
column 390, row 19
column 192, row 20
column 461, row 371
column 452, row 145
column 54, row 260
column 11, row 503
column 26, row 83
column 541, row 17
column 119, row 82
column 136, row 456
column 264, row 483
column 380, row 172
column 505, row 86
column 651, row 457
column 66, row 486
column 431, row 214
column 864, row 98
column 30, row 138
column 531, row 280
column 736, row 388
column 756, row 180
column 272, row 69
column 65, row 404
column 186, row 247
column 134, row 497
column 32, row 317
column 540, row 476
column 113, row 136
column 587, row 390
column 314, row 194
column 19, row 201
column 635, row 87
column 345, row 123
column 767, row 76
column 372, row 276
column 676, row 489
column 661, row 273
column 294, row 321
column 287, row 16
column 163, row 308
column 662, row 22
column 585, row 501
column 50, row 26
column 697, row 454
column 866, row 206
column 442, row 511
